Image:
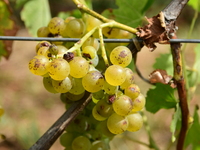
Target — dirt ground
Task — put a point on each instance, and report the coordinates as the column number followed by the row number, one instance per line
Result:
column 30, row 110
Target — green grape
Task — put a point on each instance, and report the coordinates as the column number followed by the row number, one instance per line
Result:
column 57, row 42
column 132, row 91
column 42, row 44
column 115, row 75
column 75, row 28
column 53, row 49
column 110, row 32
column 47, row 82
column 93, row 81
column 79, row 67
column 94, row 62
column 81, row 143
column 96, row 96
column 1, row 111
column 89, row 52
column 62, row 86
column 91, row 41
column 129, row 78
column 73, row 97
column 43, row 32
column 96, row 115
column 104, row 109
column 121, row 56
column 103, row 128
column 98, row 145
column 117, row 124
column 139, row 103
column 123, row 105
column 77, row 87
column 135, row 122
column 39, row 65
column 81, row 124
column 56, row 25
column 94, row 135
column 59, row 69
column 61, row 50
column 43, row 51
column 109, row 89
column 66, row 139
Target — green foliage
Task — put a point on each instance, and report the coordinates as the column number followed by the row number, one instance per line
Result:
column 36, row 14
column 197, row 61
column 162, row 96
column 164, row 62
column 195, row 4
column 193, row 132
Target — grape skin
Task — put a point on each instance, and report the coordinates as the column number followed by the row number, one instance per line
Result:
column 129, row 78
column 135, row 122
column 132, row 91
column 47, row 82
column 56, row 25
column 96, row 115
column 81, row 143
column 62, row 86
column 139, row 103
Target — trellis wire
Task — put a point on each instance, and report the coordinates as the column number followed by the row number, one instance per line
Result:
column 77, row 39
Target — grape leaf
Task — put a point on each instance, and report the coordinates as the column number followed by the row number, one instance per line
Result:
column 197, row 60
column 7, row 28
column 193, row 133
column 131, row 12
column 175, row 121
column 162, row 96
column 164, row 62
column 195, row 4
column 36, row 14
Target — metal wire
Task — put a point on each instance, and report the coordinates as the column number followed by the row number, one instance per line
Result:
column 77, row 39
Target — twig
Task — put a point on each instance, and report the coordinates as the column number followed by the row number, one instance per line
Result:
column 51, row 135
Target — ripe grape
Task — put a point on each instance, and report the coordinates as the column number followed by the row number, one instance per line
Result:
column 39, row 65
column 110, row 32
column 115, row 75
column 66, row 139
column 93, row 81
column 80, row 124
column 81, row 143
column 47, row 82
column 129, row 78
column 109, row 89
column 42, row 44
column 56, row 25
column 79, row 67
column 43, row 51
column 91, row 41
column 96, row 96
column 43, row 32
column 94, row 62
column 98, row 145
column 96, row 115
column 62, row 86
column 72, row 97
column 89, row 52
column 138, row 103
column 77, row 87
column 117, row 124
column 75, row 28
column 121, row 56
column 104, row 109
column 59, row 69
column 132, row 91
column 123, row 105
column 135, row 122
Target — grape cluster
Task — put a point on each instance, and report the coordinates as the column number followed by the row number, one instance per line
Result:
column 116, row 99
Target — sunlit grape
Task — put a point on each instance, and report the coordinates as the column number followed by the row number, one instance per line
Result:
column 62, row 86
column 96, row 115
column 43, row 32
column 47, row 82
column 132, row 91
column 139, row 103
column 129, row 78
column 56, row 25
column 135, row 122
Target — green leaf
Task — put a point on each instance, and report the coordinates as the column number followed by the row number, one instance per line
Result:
column 197, row 61
column 175, row 121
column 195, row 4
column 162, row 96
column 131, row 12
column 20, row 3
column 193, row 137
column 36, row 14
column 164, row 62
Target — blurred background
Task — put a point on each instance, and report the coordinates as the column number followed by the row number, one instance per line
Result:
column 30, row 110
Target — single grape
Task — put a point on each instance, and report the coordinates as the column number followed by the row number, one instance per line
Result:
column 81, row 124
column 43, row 32
column 121, row 56
column 123, row 105
column 94, row 135
column 62, row 86
column 43, row 51
column 109, row 89
column 110, row 32
column 81, row 143
column 66, row 139
column 77, row 87
column 103, row 128
column 47, row 82
column 56, row 25
column 59, row 69
column 93, row 81
column 139, row 103
column 89, row 52
column 132, row 91
column 39, row 65
column 115, row 75
column 75, row 28
column 104, row 109
column 42, row 44
column 94, row 62
column 61, row 50
column 79, row 67
column 117, row 124
column 91, row 41
column 53, row 49
column 96, row 115
column 98, row 145
column 96, row 96
column 135, row 122
column 129, row 78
